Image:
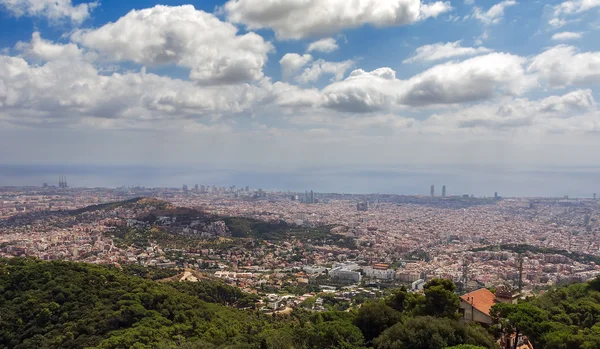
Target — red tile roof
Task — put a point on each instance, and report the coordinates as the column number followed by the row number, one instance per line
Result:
column 481, row 300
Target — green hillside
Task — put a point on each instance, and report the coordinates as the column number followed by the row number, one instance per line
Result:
column 76, row 305
column 566, row 317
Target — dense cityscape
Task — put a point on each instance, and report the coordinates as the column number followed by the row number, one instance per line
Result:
column 364, row 243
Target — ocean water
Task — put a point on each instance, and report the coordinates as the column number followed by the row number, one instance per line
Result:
column 409, row 179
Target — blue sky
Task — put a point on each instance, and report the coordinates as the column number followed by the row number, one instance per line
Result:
column 291, row 84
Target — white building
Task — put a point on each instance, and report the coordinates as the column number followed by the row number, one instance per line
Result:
column 344, row 274
column 382, row 274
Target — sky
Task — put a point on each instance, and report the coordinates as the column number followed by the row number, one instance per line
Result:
column 276, row 90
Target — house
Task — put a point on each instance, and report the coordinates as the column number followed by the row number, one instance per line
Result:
column 475, row 306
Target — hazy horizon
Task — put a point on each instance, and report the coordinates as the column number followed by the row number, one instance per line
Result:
column 409, row 179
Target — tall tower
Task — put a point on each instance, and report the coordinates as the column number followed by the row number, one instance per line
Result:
column 594, row 196
column 520, row 260
column 465, row 275
column 432, row 190
column 444, row 191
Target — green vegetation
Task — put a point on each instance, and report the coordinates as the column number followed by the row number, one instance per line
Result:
column 251, row 228
column 566, row 317
column 152, row 273
column 139, row 203
column 76, row 305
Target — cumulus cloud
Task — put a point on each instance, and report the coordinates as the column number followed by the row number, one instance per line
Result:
column 575, row 6
column 566, row 36
column 494, row 14
column 54, row 10
column 321, row 67
column 291, row 63
column 297, row 19
column 70, row 89
column 563, row 65
column 44, row 50
column 475, row 79
column 557, row 23
column 439, row 51
column 518, row 113
column 184, row 36
column 327, row 45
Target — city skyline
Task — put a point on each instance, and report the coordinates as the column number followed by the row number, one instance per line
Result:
column 395, row 183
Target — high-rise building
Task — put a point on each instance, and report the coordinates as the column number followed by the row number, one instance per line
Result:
column 432, row 190
column 247, row 189
column 444, row 191
column 196, row 188
column 312, row 197
column 185, row 188
column 594, row 196
column 45, row 185
column 495, row 195
column 362, row 206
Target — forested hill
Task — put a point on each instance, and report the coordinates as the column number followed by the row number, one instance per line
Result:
column 566, row 317
column 76, row 305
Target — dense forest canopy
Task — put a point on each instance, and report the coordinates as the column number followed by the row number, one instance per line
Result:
column 566, row 317
column 77, row 305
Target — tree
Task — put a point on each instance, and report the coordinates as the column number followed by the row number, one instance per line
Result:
column 440, row 299
column 426, row 332
column 374, row 317
column 523, row 317
column 398, row 299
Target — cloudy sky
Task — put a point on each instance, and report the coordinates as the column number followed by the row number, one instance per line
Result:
column 298, row 84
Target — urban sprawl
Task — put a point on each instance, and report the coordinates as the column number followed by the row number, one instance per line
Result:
column 343, row 244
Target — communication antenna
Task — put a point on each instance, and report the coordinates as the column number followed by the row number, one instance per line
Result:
column 520, row 260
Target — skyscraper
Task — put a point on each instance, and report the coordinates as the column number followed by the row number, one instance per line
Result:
column 362, row 206
column 432, row 190
column 444, row 191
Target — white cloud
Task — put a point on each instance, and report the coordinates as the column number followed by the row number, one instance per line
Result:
column 439, row 51
column 327, row 45
column 184, row 36
column 566, row 36
column 291, row 63
column 572, row 101
column 296, row 19
column 54, row 10
column 434, row 9
column 69, row 89
column 557, row 23
column 481, row 38
column 321, row 67
column 575, row 6
column 562, row 65
column 475, row 79
column 520, row 113
column 495, row 14
column 45, row 50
